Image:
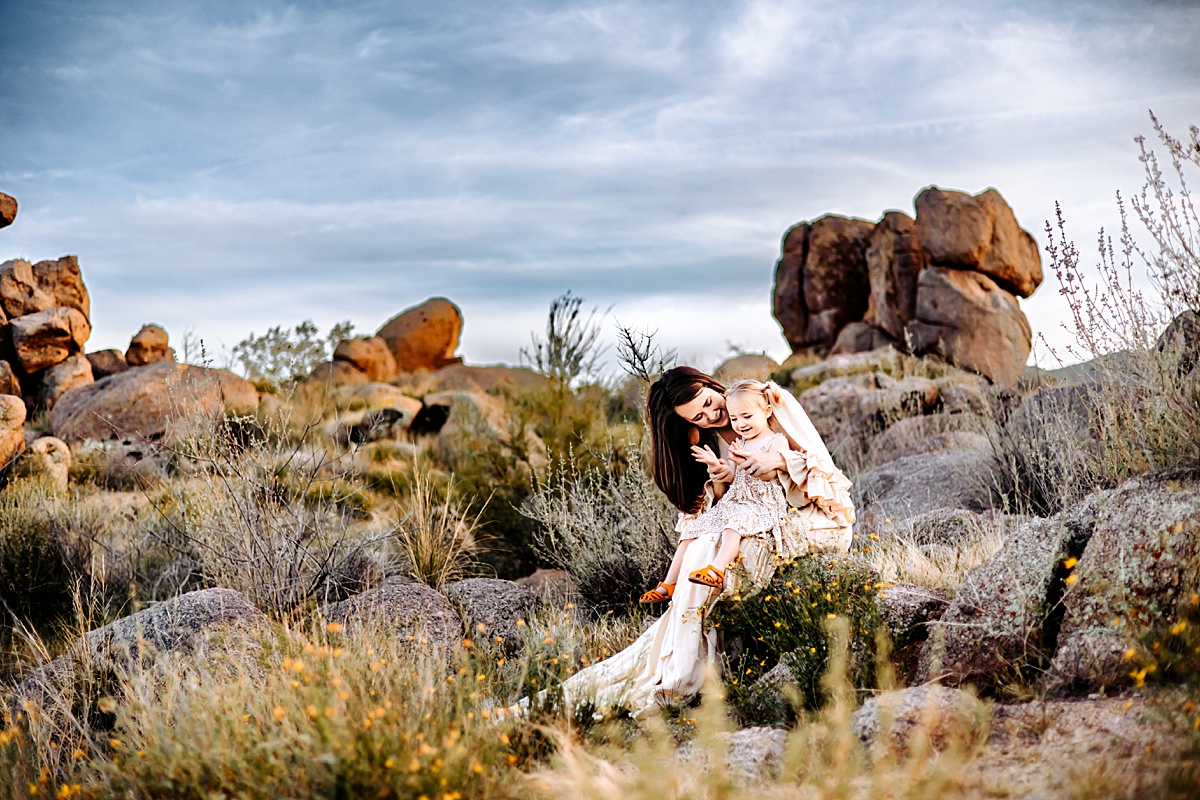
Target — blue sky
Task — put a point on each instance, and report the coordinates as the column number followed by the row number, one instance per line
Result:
column 221, row 167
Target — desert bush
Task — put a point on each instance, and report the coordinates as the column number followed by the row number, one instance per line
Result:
column 282, row 355
column 612, row 530
column 436, row 538
column 45, row 556
column 787, row 623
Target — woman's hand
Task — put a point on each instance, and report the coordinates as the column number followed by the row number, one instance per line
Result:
column 758, row 465
column 718, row 471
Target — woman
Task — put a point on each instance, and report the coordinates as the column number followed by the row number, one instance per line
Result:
column 686, row 410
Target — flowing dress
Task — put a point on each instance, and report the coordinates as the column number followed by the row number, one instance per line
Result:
column 670, row 659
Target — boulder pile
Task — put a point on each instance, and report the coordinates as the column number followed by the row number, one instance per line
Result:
column 945, row 283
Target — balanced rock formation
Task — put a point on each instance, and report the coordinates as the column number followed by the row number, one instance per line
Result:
column 149, row 345
column 8, row 210
column 945, row 283
column 424, row 337
column 154, row 403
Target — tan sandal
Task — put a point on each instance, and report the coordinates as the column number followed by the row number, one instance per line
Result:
column 708, row 576
column 659, row 593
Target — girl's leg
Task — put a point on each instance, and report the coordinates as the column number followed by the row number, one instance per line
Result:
column 731, row 542
column 677, row 562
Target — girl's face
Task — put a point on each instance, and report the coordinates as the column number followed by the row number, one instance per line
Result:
column 748, row 415
column 705, row 410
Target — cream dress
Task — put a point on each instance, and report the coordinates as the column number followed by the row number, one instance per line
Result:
column 669, row 661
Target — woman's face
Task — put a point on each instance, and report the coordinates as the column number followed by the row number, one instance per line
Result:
column 705, row 410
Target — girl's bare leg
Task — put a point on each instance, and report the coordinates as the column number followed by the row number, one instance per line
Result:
column 677, row 562
column 731, row 542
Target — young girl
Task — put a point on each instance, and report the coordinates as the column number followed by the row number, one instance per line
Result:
column 749, row 505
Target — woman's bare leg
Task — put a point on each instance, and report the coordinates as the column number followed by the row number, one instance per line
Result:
column 677, row 563
column 731, row 542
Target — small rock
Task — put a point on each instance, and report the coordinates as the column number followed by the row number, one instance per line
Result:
column 755, row 753
column 908, row 609
column 107, row 362
column 48, row 337
column 496, row 605
column 8, row 380
column 551, row 586
column 53, row 458
column 75, row 371
column 369, row 355
column 149, row 345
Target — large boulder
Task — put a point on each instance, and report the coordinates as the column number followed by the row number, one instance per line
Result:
column 1140, row 566
column 913, row 485
column 369, row 355
column 154, row 403
column 48, row 337
column 966, row 318
column 149, row 345
column 107, row 362
column 978, row 233
column 72, row 373
column 424, row 337
column 821, row 280
column 411, row 611
column 894, row 259
column 12, row 427
column 996, row 628
column 491, row 609
column 192, row 627
column 8, row 209
column 28, row 289
column 927, row 434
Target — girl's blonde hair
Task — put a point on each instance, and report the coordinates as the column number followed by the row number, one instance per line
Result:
column 750, row 387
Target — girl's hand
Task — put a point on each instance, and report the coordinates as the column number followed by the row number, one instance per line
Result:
column 757, row 464
column 718, row 470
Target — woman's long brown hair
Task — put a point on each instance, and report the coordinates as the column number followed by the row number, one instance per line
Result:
column 676, row 473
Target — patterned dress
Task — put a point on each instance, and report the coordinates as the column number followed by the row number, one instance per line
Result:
column 751, row 506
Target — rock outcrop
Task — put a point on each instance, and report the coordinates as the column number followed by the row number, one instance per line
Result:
column 945, row 283
column 424, row 337
column 154, row 403
column 73, row 372
column 914, row 485
column 29, row 288
column 149, row 345
column 107, row 362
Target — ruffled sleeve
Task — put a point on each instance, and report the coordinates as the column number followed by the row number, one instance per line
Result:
column 810, row 479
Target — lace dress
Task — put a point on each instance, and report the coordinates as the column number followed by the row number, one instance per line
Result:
column 751, row 506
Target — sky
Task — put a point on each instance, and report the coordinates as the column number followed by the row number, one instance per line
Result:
column 223, row 167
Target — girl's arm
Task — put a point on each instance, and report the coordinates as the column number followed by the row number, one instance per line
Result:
column 779, row 448
column 720, row 473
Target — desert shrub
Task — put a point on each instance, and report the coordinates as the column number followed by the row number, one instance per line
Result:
column 45, row 555
column 787, row 623
column 283, row 354
column 612, row 530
